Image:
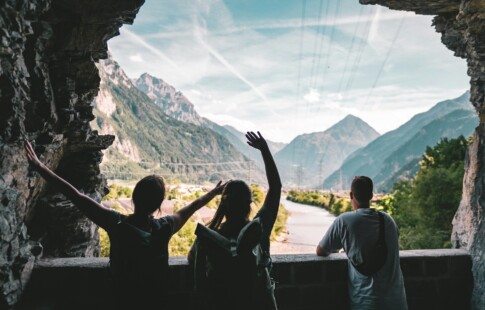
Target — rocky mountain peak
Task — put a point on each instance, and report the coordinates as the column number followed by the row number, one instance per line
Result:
column 169, row 99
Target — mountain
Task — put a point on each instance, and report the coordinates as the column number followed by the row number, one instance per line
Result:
column 397, row 153
column 309, row 158
column 150, row 141
column 170, row 100
column 176, row 105
column 238, row 139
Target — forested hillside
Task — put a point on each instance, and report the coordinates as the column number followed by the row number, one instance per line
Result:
column 148, row 140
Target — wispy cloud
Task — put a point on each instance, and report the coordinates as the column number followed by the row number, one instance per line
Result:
column 137, row 39
column 296, row 24
column 137, row 58
column 224, row 62
column 241, row 67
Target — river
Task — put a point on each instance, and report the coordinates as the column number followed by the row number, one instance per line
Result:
column 305, row 226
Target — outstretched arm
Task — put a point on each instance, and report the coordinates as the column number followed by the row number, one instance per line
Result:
column 183, row 215
column 100, row 215
column 269, row 211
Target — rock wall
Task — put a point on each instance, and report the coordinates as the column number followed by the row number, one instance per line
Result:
column 48, row 80
column 462, row 26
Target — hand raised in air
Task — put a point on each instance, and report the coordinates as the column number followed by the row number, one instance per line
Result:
column 256, row 141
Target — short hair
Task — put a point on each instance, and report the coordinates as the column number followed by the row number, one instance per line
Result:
column 362, row 188
column 148, row 194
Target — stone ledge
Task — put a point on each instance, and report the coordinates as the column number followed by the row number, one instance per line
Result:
column 434, row 279
column 102, row 262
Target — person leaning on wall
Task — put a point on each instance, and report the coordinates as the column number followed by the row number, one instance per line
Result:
column 370, row 239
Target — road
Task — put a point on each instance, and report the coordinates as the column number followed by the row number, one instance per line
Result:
column 306, row 227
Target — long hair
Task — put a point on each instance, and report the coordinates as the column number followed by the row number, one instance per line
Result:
column 148, row 195
column 235, row 204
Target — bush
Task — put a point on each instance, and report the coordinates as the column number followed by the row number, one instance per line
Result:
column 118, row 191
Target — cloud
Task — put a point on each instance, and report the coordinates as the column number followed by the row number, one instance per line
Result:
column 137, row 39
column 295, row 23
column 224, row 62
column 312, row 96
column 241, row 68
column 224, row 119
column 136, row 58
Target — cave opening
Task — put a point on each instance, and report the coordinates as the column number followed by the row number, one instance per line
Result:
column 49, row 80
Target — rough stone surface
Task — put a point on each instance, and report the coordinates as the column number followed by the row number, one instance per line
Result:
column 434, row 279
column 462, row 26
column 425, row 7
column 48, row 80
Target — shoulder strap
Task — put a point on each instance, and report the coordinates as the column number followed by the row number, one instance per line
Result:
column 211, row 238
column 378, row 254
column 249, row 236
column 382, row 228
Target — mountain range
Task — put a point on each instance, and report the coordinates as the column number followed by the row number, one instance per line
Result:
column 150, row 141
column 176, row 105
column 158, row 130
column 309, row 158
column 397, row 153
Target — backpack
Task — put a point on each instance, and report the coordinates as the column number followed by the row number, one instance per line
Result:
column 234, row 272
column 377, row 259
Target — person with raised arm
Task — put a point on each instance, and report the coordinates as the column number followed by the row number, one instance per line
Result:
column 231, row 256
column 139, row 242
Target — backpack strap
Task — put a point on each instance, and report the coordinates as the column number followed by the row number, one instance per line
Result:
column 382, row 229
column 212, row 239
column 248, row 238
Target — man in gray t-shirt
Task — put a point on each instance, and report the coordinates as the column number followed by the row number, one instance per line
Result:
column 357, row 232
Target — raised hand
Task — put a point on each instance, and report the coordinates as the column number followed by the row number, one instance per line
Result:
column 217, row 190
column 31, row 156
column 256, row 141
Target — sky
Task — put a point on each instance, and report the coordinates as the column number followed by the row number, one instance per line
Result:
column 288, row 67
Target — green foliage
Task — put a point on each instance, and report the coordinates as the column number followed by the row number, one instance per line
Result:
column 424, row 207
column 385, row 203
column 104, row 243
column 161, row 139
column 118, row 191
column 181, row 242
column 280, row 223
column 283, row 214
column 330, row 202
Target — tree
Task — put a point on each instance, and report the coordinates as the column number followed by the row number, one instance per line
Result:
column 424, row 206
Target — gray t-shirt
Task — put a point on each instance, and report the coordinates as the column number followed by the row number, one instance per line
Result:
column 357, row 232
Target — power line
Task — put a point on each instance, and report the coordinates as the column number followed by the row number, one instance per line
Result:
column 361, row 49
column 320, row 49
column 351, row 48
column 299, row 69
column 385, row 58
column 319, row 28
column 329, row 49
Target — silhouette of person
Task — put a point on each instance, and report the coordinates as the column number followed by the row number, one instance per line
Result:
column 231, row 283
column 370, row 239
column 139, row 242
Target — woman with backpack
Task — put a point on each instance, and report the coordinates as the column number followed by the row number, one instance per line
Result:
column 231, row 256
column 139, row 242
